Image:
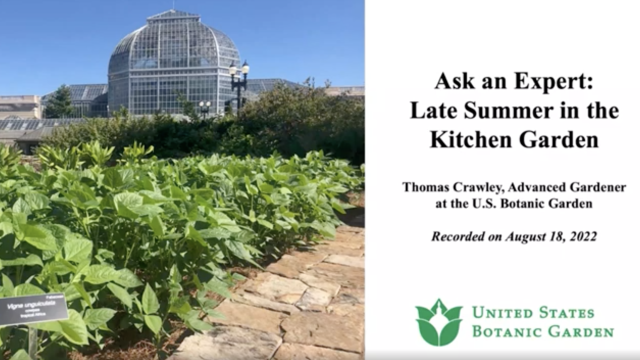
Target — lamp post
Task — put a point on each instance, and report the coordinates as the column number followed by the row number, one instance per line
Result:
column 239, row 84
column 204, row 108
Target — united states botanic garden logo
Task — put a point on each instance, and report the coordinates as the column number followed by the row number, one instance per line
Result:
column 439, row 326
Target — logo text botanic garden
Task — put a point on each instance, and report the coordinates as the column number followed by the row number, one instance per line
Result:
column 554, row 330
column 439, row 325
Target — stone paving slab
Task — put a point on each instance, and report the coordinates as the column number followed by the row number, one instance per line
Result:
column 350, row 229
column 343, row 248
column 306, row 352
column 291, row 265
column 276, row 288
column 248, row 317
column 347, row 237
column 314, row 300
column 356, row 310
column 308, row 305
column 246, row 298
column 345, row 276
column 318, row 283
column 229, row 343
column 325, row 330
column 349, row 296
column 352, row 261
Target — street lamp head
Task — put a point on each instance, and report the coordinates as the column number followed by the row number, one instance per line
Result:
column 208, row 103
column 233, row 70
column 201, row 103
column 245, row 68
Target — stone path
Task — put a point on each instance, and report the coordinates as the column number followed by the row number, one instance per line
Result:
column 308, row 305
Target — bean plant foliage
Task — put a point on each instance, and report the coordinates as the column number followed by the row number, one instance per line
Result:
column 145, row 242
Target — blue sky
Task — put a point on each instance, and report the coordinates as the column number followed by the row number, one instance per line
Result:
column 46, row 43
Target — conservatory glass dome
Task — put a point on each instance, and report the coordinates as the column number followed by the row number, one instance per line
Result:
column 174, row 53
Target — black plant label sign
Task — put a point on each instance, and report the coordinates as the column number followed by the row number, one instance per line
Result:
column 33, row 309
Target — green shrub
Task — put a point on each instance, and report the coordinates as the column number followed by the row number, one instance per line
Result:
column 294, row 121
column 290, row 121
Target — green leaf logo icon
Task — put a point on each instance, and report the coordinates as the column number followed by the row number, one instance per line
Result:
column 449, row 331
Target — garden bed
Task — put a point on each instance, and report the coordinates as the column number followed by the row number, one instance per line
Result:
column 145, row 249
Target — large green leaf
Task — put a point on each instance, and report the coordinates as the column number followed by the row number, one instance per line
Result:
column 39, row 237
column 7, row 286
column 150, row 304
column 266, row 188
column 176, row 193
column 193, row 234
column 83, row 293
column 192, row 212
column 21, row 207
column 61, row 267
column 152, row 197
column 124, row 202
column 100, row 274
column 20, row 355
column 219, row 287
column 238, row 249
column 180, row 305
column 198, row 325
column 153, row 322
column 128, row 199
column 338, row 207
column 95, row 318
column 27, row 289
column 112, row 178
column 324, row 229
column 36, row 201
column 215, row 233
column 71, row 293
column 121, row 294
column 6, row 228
column 127, row 279
column 50, row 326
column 74, row 329
column 338, row 189
column 266, row 224
column 30, row 260
column 77, row 249
column 206, row 194
column 126, row 212
column 146, row 210
column 157, row 226
column 221, row 218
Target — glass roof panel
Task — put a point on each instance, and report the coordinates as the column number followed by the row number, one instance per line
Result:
column 172, row 14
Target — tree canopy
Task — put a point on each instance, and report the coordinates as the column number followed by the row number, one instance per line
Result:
column 59, row 105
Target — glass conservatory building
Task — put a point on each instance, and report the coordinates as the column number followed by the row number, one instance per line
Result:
column 174, row 53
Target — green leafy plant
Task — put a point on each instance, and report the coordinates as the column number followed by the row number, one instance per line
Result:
column 135, row 153
column 145, row 242
column 9, row 158
column 96, row 155
column 59, row 159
